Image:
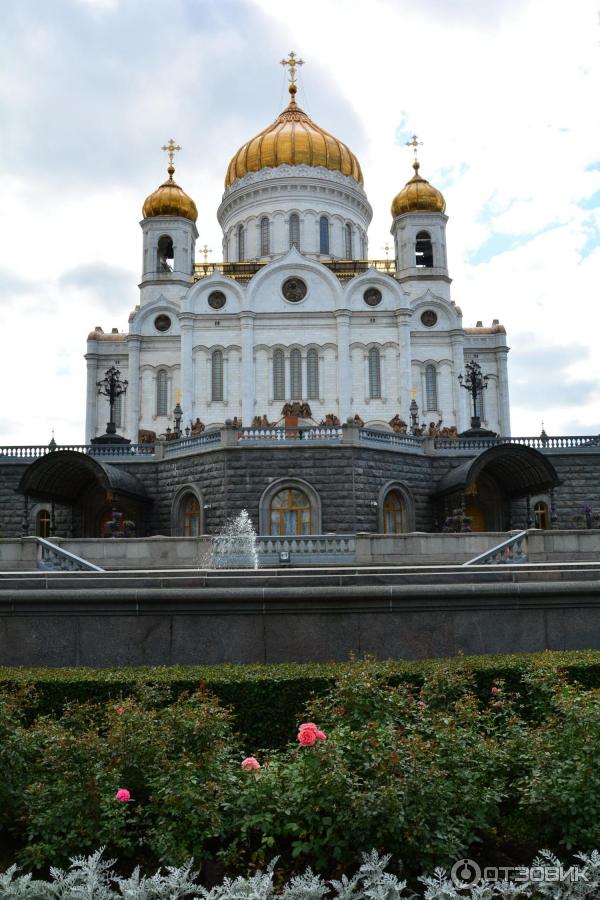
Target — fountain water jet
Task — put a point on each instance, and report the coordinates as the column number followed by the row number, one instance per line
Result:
column 235, row 547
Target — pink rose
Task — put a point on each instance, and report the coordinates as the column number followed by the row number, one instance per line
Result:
column 120, row 710
column 123, row 795
column 250, row 763
column 320, row 735
column 307, row 737
column 341, row 710
column 308, row 726
column 495, row 690
column 422, row 704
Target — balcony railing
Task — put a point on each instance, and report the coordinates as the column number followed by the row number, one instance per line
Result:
column 560, row 442
column 342, row 268
column 34, row 451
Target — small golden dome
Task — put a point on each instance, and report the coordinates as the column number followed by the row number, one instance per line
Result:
column 417, row 194
column 293, row 139
column 170, row 200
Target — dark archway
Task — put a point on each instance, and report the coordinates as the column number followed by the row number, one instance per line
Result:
column 87, row 489
column 487, row 484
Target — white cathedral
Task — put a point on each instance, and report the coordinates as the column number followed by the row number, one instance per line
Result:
column 296, row 312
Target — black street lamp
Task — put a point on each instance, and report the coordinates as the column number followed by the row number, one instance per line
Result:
column 111, row 387
column 475, row 383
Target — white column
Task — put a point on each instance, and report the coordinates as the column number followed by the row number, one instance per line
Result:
column 403, row 317
column 133, row 388
column 91, row 406
column 187, row 371
column 503, row 400
column 343, row 364
column 247, row 323
column 458, row 393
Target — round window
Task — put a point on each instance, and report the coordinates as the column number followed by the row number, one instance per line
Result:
column 162, row 322
column 429, row 318
column 372, row 297
column 217, row 300
column 293, row 289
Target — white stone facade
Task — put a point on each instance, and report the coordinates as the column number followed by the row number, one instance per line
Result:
column 330, row 349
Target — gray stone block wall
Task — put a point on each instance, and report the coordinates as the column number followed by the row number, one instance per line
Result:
column 347, row 479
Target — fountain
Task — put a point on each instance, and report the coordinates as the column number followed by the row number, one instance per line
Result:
column 235, row 547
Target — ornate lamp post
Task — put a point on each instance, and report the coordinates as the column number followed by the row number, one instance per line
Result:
column 111, row 387
column 475, row 383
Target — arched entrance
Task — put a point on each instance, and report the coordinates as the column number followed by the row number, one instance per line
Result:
column 87, row 493
column 486, row 486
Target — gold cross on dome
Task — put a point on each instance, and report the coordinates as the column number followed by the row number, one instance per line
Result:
column 292, row 62
column 205, row 251
column 171, row 148
column 414, row 143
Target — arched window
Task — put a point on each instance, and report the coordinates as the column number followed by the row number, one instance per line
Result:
column 190, row 516
column 290, row 512
column 42, row 523
column 217, row 375
column 296, row 374
column 165, row 254
column 162, row 393
column 394, row 513
column 264, row 236
column 431, row 401
column 374, row 374
column 278, row 375
column 312, row 375
column 542, row 517
column 240, row 243
column 324, row 235
column 295, row 231
column 423, row 251
column 348, row 240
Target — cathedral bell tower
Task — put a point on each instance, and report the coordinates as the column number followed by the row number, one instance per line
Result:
column 419, row 229
column 170, row 234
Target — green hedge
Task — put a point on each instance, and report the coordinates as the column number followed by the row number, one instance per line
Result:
column 268, row 700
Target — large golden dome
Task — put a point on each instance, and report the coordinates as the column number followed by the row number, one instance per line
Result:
column 293, row 139
column 417, row 194
column 170, row 200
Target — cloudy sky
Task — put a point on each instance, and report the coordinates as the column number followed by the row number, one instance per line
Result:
column 504, row 94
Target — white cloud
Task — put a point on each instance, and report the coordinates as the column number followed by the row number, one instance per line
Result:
column 504, row 95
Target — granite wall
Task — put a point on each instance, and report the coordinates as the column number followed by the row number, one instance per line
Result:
column 347, row 479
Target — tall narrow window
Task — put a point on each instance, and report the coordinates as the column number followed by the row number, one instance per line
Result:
column 295, row 231
column 393, row 513
column 240, row 243
column 217, row 375
column 324, row 235
column 165, row 254
column 118, row 411
column 423, row 251
column 162, row 393
column 190, row 515
column 296, row 374
column 278, row 375
column 42, row 523
column 348, row 241
column 431, row 388
column 312, row 374
column 374, row 374
column 264, row 236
